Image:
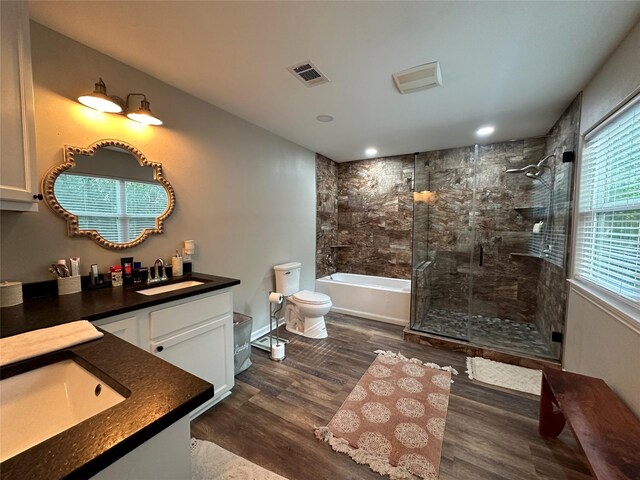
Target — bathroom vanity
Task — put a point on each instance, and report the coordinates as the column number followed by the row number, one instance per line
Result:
column 147, row 434
column 194, row 333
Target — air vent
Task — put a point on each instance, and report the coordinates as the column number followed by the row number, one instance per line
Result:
column 308, row 74
column 418, row 78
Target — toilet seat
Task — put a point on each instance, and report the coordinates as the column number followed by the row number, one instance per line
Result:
column 311, row 298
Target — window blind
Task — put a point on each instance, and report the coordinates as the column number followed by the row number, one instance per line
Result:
column 118, row 209
column 608, row 230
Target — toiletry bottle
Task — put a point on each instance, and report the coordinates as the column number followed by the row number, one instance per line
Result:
column 137, row 276
column 116, row 276
column 127, row 270
column 75, row 266
column 94, row 274
column 176, row 265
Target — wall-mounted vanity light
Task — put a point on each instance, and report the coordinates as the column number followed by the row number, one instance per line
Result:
column 103, row 102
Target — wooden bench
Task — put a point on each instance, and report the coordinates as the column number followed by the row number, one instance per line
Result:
column 606, row 430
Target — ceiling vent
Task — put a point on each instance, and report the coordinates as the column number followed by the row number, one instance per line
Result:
column 418, row 78
column 308, row 74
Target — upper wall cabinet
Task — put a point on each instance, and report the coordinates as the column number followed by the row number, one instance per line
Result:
column 18, row 178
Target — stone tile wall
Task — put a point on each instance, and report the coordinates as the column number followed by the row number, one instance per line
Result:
column 366, row 205
column 375, row 205
column 375, row 216
column 326, row 212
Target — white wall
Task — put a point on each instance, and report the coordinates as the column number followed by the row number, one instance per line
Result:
column 616, row 81
column 246, row 196
column 602, row 340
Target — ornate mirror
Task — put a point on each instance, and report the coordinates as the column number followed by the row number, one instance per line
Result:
column 109, row 192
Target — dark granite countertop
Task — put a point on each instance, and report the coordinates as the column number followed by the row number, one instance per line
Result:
column 92, row 305
column 159, row 393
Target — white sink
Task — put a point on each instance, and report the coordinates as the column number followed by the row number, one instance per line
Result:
column 39, row 404
column 169, row 288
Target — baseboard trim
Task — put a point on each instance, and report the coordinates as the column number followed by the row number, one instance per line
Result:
column 261, row 332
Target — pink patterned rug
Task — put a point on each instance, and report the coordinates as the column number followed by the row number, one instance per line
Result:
column 394, row 418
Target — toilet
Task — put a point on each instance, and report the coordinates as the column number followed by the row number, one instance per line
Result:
column 305, row 310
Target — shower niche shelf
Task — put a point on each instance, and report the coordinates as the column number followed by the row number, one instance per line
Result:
column 524, row 255
column 529, row 212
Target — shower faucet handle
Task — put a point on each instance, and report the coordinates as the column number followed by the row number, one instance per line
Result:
column 329, row 260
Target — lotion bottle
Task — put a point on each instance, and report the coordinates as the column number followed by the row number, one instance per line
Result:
column 176, row 265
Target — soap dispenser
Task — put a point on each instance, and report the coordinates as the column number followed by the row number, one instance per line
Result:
column 176, row 265
column 537, row 227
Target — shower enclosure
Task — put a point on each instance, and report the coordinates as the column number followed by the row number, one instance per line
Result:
column 490, row 244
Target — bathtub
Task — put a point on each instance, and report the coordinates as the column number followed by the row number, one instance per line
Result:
column 376, row 298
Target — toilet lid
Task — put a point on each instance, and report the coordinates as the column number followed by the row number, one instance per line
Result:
column 313, row 298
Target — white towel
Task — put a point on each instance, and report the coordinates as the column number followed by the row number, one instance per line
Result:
column 46, row 340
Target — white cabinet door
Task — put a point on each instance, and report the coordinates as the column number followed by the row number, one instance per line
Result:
column 126, row 329
column 204, row 351
column 163, row 457
column 18, row 178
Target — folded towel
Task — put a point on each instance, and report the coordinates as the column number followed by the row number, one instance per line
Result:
column 46, row 340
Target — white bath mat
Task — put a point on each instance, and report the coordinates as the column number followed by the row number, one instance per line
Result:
column 504, row 375
column 212, row 462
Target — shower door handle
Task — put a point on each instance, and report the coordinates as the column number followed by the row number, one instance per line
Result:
column 481, row 255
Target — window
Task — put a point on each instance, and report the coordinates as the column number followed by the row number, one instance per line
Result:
column 118, row 209
column 608, row 230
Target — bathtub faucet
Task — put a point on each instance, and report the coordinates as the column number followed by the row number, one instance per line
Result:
column 330, row 261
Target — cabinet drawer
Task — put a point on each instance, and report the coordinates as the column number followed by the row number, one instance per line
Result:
column 179, row 317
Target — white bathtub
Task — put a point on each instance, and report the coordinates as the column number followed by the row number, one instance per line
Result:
column 376, row 298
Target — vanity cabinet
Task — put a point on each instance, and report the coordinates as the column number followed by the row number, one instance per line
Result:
column 126, row 329
column 198, row 337
column 18, row 178
column 195, row 334
column 164, row 456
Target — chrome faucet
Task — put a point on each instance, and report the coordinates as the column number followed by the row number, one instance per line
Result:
column 159, row 263
column 330, row 260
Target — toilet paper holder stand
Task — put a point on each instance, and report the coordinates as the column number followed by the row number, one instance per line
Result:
column 266, row 342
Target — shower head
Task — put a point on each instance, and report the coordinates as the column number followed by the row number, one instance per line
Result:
column 526, row 170
column 533, row 171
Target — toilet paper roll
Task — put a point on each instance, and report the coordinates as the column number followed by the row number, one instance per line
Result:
column 277, row 351
column 275, row 297
column 10, row 294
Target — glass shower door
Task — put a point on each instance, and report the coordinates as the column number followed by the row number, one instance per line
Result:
column 443, row 242
column 520, row 224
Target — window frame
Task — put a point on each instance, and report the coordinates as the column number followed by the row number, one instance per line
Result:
column 605, row 296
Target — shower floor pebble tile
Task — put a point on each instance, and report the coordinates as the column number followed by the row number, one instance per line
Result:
column 489, row 331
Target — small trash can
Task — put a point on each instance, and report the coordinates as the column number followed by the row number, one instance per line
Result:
column 242, row 325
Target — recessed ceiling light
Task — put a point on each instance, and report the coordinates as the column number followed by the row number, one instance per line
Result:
column 370, row 152
column 324, row 118
column 485, row 131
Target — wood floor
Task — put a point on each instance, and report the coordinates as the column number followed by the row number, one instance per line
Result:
column 269, row 418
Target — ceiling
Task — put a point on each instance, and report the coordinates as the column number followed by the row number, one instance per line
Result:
column 515, row 65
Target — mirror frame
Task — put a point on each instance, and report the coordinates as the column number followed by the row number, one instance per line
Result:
column 74, row 230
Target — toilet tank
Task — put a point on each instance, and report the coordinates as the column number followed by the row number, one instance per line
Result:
column 288, row 278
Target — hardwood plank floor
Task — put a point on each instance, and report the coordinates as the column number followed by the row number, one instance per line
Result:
column 269, row 418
